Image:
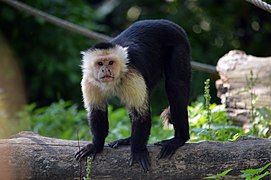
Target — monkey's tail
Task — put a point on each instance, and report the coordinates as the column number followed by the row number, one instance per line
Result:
column 166, row 117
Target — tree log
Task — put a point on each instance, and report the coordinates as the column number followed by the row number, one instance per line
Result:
column 30, row 156
column 235, row 70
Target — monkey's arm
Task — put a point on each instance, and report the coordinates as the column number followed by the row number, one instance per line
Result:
column 97, row 117
column 98, row 122
column 141, row 125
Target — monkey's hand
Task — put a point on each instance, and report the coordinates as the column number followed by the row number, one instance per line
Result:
column 142, row 158
column 89, row 149
column 120, row 142
column 169, row 147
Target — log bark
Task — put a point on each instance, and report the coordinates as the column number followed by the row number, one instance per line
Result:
column 30, row 156
column 235, row 70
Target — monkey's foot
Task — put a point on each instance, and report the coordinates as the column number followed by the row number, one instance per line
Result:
column 142, row 158
column 87, row 150
column 169, row 147
column 120, row 142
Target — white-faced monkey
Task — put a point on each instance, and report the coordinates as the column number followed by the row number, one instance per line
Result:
column 130, row 66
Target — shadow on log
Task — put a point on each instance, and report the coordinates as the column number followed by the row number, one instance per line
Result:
column 30, row 156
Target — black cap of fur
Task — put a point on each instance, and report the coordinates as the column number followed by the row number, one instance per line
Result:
column 103, row 45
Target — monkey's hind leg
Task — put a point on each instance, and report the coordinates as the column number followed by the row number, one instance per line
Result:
column 177, row 81
column 120, row 142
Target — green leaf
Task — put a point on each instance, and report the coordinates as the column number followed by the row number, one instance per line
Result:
column 255, row 171
column 220, row 175
column 249, row 173
column 260, row 176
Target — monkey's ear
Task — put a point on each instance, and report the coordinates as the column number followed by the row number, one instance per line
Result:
column 122, row 53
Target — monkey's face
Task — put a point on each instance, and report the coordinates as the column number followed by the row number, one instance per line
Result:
column 106, row 69
column 105, row 65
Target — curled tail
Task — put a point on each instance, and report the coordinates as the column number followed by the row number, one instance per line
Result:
column 166, row 117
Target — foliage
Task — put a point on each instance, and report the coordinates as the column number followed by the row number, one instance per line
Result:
column 255, row 174
column 220, row 175
column 260, row 118
column 49, row 55
column 207, row 122
column 66, row 121
column 220, row 129
column 262, row 123
column 207, row 97
column 89, row 160
column 247, row 174
column 61, row 120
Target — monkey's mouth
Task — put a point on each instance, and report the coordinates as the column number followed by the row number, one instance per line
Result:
column 107, row 78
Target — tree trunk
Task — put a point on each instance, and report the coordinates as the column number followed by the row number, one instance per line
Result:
column 244, row 84
column 30, row 156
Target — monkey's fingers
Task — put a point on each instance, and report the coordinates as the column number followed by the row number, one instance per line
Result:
column 81, row 154
column 85, row 151
column 142, row 158
column 113, row 144
column 132, row 161
column 161, row 143
column 158, row 143
column 119, row 142
column 145, row 164
column 169, row 147
column 166, row 151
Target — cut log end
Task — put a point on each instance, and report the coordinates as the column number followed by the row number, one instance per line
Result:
column 240, row 76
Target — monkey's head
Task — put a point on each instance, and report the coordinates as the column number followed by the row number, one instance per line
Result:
column 105, row 62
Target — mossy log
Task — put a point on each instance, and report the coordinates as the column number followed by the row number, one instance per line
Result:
column 245, row 81
column 30, row 156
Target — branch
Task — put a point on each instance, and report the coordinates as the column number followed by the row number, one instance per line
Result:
column 30, row 156
column 203, row 67
column 85, row 32
column 57, row 21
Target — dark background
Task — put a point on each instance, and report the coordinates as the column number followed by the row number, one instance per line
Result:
column 49, row 56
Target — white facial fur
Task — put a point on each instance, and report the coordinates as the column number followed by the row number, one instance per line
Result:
column 90, row 56
column 129, row 85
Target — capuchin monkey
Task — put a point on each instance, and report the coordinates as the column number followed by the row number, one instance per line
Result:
column 129, row 67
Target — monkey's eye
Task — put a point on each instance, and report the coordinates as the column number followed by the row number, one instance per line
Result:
column 100, row 63
column 111, row 62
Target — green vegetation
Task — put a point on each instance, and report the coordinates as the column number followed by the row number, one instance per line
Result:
column 207, row 122
column 207, row 97
column 247, row 174
column 89, row 159
column 220, row 175
column 255, row 174
column 61, row 120
column 64, row 120
column 260, row 118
